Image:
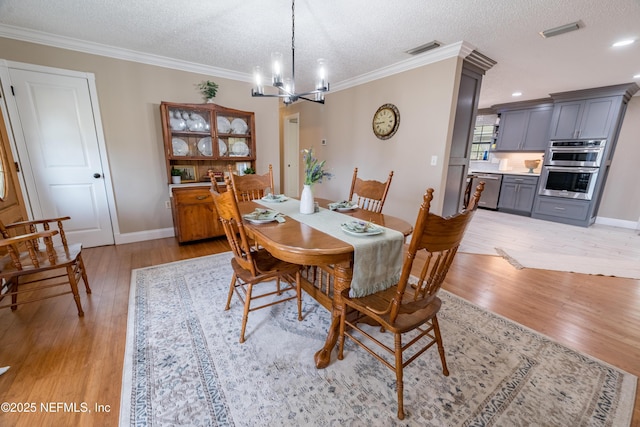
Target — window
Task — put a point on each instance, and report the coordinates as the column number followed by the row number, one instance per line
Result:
column 484, row 136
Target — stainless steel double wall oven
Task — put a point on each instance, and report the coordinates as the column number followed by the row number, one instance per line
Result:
column 571, row 168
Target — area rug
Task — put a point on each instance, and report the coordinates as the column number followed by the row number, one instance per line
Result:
column 571, row 263
column 185, row 366
column 533, row 243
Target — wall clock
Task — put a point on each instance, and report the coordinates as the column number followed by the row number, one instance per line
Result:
column 386, row 121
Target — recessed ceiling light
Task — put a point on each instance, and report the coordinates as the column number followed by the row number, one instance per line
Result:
column 516, row 94
column 623, row 43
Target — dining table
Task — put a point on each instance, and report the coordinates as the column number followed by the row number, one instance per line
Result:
column 328, row 261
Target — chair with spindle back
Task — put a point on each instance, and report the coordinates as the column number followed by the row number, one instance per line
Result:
column 411, row 306
column 252, row 265
column 370, row 194
column 38, row 257
column 252, row 186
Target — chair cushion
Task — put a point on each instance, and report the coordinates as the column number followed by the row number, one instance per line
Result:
column 412, row 313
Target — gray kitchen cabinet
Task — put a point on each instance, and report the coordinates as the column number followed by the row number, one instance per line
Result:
column 524, row 129
column 517, row 194
column 584, row 119
column 568, row 211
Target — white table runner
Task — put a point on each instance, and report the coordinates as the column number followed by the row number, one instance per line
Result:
column 377, row 260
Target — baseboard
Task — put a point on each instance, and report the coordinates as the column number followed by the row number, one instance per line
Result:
column 621, row 223
column 141, row 236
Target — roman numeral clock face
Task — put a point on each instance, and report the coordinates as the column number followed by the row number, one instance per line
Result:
column 386, row 121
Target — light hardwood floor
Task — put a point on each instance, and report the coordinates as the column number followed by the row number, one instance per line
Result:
column 57, row 357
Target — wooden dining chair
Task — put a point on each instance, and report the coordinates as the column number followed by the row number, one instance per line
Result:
column 38, row 257
column 370, row 195
column 253, row 266
column 412, row 305
column 252, row 186
column 214, row 182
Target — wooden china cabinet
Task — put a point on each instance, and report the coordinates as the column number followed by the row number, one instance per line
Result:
column 198, row 138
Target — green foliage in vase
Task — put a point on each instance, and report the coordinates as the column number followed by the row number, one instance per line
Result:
column 314, row 170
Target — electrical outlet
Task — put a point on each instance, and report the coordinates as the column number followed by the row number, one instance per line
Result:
column 323, row 142
column 167, row 204
column 434, row 160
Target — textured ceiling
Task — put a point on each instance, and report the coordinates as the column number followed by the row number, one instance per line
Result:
column 359, row 36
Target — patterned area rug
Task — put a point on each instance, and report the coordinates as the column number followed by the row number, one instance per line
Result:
column 533, row 243
column 185, row 366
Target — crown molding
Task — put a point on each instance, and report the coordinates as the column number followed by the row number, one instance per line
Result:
column 460, row 49
column 39, row 37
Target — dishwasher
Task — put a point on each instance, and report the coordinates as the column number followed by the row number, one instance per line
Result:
column 491, row 192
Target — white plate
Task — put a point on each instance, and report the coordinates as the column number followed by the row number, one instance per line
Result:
column 239, row 126
column 180, row 147
column 343, row 206
column 361, row 228
column 274, row 198
column 204, row 146
column 222, row 147
column 261, row 216
column 196, row 125
column 240, row 149
column 224, row 126
column 177, row 124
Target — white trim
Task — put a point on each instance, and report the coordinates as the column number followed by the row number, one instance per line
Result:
column 141, row 236
column 39, row 37
column 12, row 120
column 461, row 49
column 102, row 146
column 613, row 222
column 26, row 174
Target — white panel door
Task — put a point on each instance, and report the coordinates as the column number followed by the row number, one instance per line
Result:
column 291, row 156
column 61, row 143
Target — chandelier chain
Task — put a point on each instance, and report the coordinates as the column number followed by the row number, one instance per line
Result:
column 293, row 41
column 286, row 89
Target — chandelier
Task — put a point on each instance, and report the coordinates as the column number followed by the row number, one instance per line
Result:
column 286, row 87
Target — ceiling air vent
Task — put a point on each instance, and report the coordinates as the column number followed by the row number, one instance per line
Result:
column 560, row 30
column 425, row 47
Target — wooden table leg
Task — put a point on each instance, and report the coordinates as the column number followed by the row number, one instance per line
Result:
column 342, row 280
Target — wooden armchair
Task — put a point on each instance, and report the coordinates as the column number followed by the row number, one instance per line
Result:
column 412, row 305
column 252, row 187
column 370, row 194
column 34, row 261
column 252, row 265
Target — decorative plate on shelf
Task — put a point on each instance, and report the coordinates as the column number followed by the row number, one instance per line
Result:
column 224, row 126
column 180, row 147
column 240, row 149
column 239, row 126
column 204, row 146
column 196, row 123
column 361, row 228
column 222, row 147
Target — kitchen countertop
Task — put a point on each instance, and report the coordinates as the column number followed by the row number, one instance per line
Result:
column 499, row 172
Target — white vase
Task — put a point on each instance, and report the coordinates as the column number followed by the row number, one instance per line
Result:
column 176, row 179
column 306, row 200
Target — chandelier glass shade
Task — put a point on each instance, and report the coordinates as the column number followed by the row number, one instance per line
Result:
column 286, row 86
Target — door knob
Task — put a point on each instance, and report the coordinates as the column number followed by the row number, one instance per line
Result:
column 96, row 175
